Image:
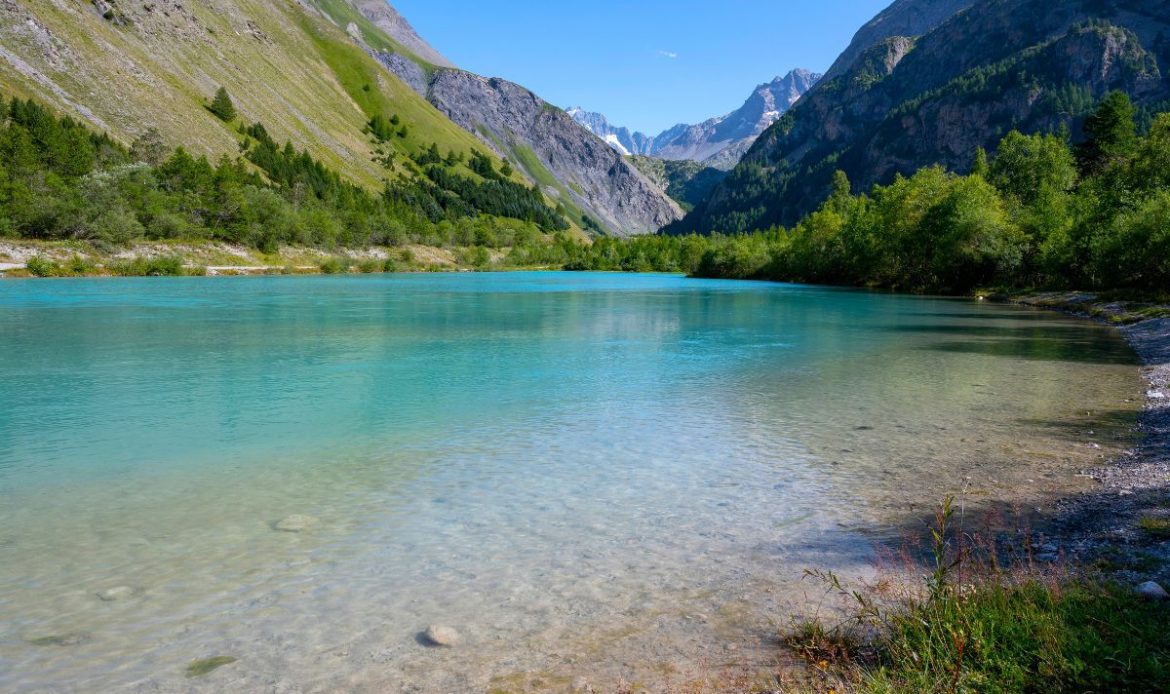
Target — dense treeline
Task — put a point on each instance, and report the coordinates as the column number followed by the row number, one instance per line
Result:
column 60, row 180
column 1041, row 214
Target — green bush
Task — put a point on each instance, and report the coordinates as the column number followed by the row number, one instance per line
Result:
column 335, row 266
column 41, row 267
column 370, row 266
column 162, row 266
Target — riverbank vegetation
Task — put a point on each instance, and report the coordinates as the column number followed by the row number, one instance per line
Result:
column 987, row 617
column 59, row 180
column 1041, row 213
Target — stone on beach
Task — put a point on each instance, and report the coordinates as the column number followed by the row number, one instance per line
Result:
column 1152, row 590
column 295, row 523
column 441, row 636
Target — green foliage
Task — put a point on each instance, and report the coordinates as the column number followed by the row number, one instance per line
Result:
column 1031, row 637
column 983, row 622
column 149, row 148
column 58, row 180
column 335, row 266
column 1110, row 135
column 40, row 267
column 164, row 266
column 1025, row 219
column 381, row 128
column 222, row 107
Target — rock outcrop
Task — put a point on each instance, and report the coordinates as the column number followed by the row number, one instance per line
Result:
column 566, row 159
column 596, row 186
column 396, row 27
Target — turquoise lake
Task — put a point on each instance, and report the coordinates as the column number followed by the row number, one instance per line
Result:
column 585, row 474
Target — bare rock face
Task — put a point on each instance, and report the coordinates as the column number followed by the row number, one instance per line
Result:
column 588, row 172
column 572, row 165
column 396, row 27
column 903, row 18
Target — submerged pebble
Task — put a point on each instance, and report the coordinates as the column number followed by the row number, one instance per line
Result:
column 295, row 523
column 59, row 640
column 441, row 636
column 117, row 593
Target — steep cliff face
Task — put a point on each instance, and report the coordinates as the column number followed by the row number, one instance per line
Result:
column 909, row 102
column 903, row 18
column 571, row 163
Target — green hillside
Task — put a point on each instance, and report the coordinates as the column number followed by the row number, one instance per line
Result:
column 156, row 64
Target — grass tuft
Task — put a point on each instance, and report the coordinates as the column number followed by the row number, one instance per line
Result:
column 978, row 625
column 1156, row 527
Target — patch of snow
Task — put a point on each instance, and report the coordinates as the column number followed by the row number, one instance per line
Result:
column 616, row 144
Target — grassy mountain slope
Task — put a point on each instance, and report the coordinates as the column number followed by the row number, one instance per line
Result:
column 909, row 102
column 155, row 63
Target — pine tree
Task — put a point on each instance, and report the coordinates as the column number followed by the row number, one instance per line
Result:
column 1110, row 134
column 222, row 106
column 981, row 167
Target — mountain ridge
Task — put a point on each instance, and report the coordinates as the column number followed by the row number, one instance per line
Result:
column 597, row 188
column 910, row 102
column 718, row 142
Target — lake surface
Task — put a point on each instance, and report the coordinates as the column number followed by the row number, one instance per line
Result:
column 585, row 474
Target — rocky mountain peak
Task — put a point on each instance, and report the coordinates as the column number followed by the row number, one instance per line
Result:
column 718, row 142
column 396, row 27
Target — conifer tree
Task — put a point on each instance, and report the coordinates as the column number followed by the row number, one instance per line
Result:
column 222, row 106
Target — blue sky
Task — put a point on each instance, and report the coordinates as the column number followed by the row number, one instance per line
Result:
column 646, row 64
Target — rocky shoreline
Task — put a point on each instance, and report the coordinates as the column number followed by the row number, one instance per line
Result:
column 1122, row 528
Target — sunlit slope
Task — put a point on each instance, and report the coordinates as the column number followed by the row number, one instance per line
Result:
column 156, row 63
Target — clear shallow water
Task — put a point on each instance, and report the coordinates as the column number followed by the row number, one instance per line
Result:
column 585, row 474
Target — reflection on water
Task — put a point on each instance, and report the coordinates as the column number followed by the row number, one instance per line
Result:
column 576, row 471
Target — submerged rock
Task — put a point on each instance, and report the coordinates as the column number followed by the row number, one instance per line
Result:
column 117, row 593
column 59, row 640
column 441, row 636
column 295, row 523
column 1152, row 590
column 199, row 668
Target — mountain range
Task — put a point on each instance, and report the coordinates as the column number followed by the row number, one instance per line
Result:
column 925, row 82
column 929, row 82
column 717, row 142
column 313, row 72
